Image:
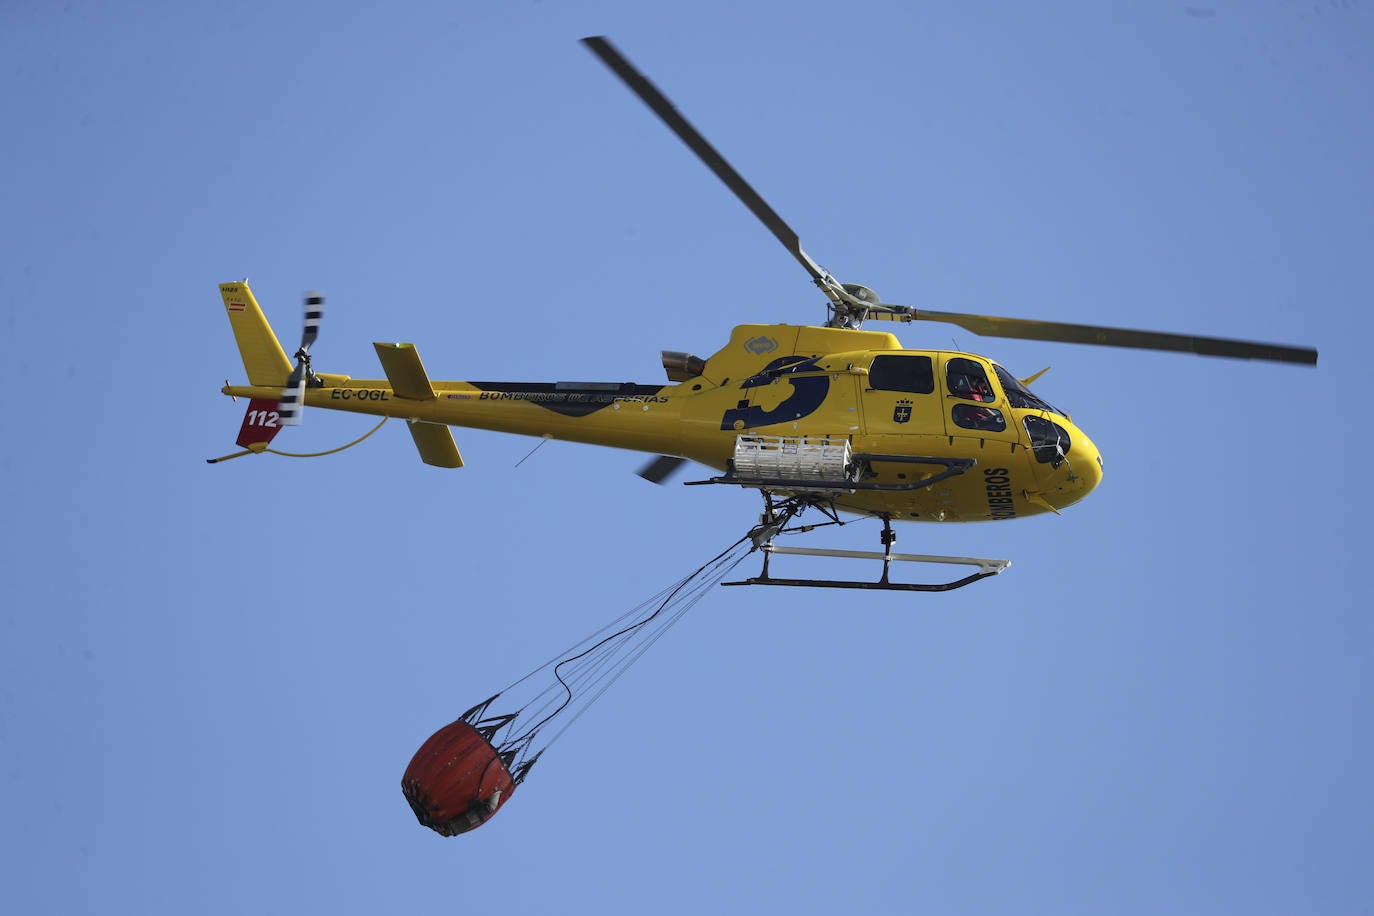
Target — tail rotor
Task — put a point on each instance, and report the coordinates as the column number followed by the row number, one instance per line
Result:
column 293, row 396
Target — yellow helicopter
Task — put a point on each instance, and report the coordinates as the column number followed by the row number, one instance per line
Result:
column 831, row 418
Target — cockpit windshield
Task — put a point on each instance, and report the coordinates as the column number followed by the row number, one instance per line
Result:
column 1019, row 395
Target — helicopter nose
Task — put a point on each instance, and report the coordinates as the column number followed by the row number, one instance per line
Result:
column 1086, row 464
column 1078, row 474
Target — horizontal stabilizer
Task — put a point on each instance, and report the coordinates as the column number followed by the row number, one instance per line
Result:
column 401, row 362
column 436, row 444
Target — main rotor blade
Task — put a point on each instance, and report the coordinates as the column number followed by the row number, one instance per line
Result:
column 1028, row 329
column 661, row 468
column 658, row 102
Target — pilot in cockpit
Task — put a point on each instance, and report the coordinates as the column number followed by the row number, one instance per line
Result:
column 972, row 387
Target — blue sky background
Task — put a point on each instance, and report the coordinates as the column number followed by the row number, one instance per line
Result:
column 211, row 678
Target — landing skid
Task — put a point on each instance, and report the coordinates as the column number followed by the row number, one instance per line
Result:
column 985, row 568
column 778, row 513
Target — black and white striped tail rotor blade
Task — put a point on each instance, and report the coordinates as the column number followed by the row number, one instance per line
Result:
column 293, row 398
column 314, row 313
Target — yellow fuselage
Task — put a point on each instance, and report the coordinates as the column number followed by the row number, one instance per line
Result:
column 788, row 381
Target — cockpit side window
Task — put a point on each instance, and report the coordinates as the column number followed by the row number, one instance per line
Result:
column 1018, row 395
column 912, row 374
column 975, row 416
column 966, row 379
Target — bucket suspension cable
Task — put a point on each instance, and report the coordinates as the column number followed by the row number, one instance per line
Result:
column 583, row 673
column 468, row 769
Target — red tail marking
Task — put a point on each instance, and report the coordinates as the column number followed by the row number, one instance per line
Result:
column 260, row 424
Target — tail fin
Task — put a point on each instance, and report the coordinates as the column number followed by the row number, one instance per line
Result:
column 260, row 425
column 262, row 353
